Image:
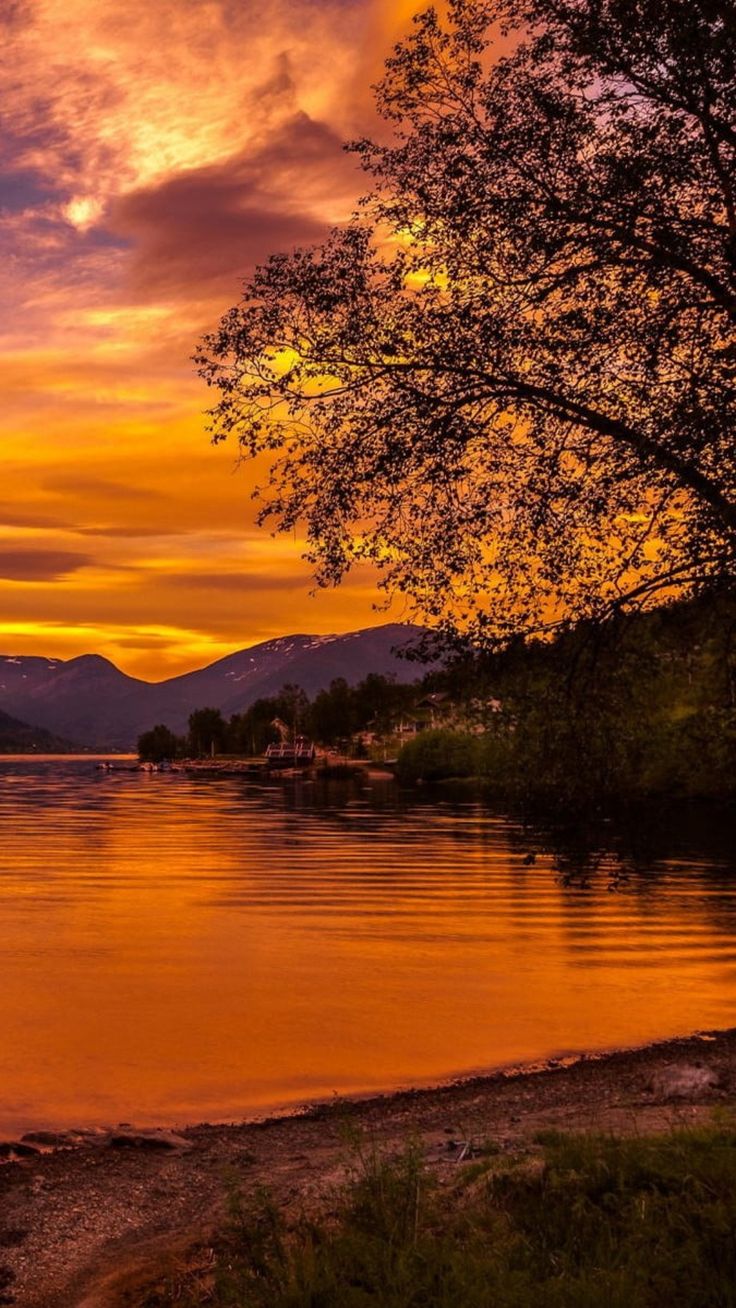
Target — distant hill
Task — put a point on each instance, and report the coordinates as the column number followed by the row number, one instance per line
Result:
column 20, row 738
column 90, row 700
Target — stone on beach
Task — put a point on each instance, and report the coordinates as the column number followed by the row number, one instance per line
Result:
column 18, row 1149
column 53, row 1139
column 129, row 1138
column 684, row 1080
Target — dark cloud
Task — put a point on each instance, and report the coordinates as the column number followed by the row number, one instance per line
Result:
column 22, row 188
column 65, row 483
column 132, row 532
column 40, row 565
column 239, row 581
column 143, row 642
column 15, row 13
column 33, row 521
column 208, row 227
column 44, row 522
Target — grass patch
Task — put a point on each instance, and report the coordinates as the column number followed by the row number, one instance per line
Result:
column 591, row 1222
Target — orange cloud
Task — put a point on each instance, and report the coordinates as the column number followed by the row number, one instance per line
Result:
column 154, row 153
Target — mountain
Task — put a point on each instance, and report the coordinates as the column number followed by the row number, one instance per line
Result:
column 86, row 698
column 92, row 701
column 20, row 738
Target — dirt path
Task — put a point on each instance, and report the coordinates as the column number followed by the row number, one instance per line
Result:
column 81, row 1227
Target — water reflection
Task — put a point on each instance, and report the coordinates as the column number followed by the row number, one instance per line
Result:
column 180, row 948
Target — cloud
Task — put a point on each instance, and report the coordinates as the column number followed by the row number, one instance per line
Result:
column 130, row 532
column 238, row 581
column 204, row 230
column 32, row 521
column 40, row 565
column 94, row 486
column 138, row 641
column 152, row 154
column 108, row 98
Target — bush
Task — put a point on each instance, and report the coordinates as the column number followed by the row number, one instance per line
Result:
column 437, row 756
column 592, row 1221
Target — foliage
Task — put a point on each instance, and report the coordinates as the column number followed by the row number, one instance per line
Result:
column 333, row 717
column 439, row 755
column 252, row 731
column 509, row 382
column 376, row 702
column 207, row 731
column 158, row 744
column 649, row 710
column 629, row 1223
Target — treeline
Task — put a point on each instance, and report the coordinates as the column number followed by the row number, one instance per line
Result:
column 644, row 707
column 334, row 717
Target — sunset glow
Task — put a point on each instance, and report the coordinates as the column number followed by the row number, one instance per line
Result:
column 156, row 153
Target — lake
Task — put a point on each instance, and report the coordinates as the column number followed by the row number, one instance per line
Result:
column 178, row 948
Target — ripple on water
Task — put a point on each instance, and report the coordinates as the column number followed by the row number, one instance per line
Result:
column 178, row 948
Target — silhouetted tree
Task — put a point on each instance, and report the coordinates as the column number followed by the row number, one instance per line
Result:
column 509, row 383
column 207, row 731
column 253, row 730
column 380, row 700
column 332, row 715
column 158, row 744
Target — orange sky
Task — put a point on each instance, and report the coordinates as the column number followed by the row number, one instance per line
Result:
column 155, row 152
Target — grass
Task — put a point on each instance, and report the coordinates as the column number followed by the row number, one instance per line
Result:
column 585, row 1222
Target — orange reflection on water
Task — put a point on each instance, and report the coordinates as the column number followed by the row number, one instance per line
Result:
column 179, row 949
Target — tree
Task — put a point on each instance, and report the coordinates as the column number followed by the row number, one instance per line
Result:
column 158, row 744
column 332, row 714
column 207, row 731
column 439, row 755
column 253, row 730
column 380, row 700
column 508, row 384
column 292, row 704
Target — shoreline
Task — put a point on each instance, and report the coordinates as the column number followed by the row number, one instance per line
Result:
column 317, row 1106
column 81, row 1222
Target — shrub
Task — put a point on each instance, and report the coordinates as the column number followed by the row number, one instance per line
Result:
column 437, row 756
column 592, row 1221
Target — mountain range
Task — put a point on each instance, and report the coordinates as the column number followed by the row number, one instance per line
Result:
column 19, row 738
column 90, row 701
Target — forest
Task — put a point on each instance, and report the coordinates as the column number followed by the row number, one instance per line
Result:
column 645, row 707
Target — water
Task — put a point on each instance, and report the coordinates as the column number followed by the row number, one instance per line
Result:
column 181, row 949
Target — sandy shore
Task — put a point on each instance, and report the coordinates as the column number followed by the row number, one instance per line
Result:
column 81, row 1226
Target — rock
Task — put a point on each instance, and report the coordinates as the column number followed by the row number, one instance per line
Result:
column 90, row 1135
column 153, row 1139
column 53, row 1138
column 683, row 1081
column 18, row 1149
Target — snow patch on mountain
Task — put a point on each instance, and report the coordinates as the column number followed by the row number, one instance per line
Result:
column 88, row 699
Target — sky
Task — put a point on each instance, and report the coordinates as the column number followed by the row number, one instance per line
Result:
column 152, row 154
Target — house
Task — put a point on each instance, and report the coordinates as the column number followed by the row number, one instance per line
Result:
column 438, row 706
